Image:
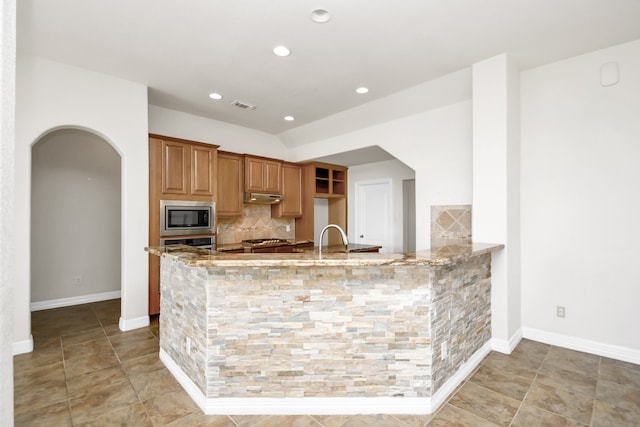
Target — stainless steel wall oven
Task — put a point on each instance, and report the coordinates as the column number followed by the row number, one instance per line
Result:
column 186, row 218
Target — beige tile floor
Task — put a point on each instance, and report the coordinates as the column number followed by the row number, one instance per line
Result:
column 85, row 371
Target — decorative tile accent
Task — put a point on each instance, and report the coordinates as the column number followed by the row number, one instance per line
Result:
column 450, row 225
column 462, row 313
column 256, row 223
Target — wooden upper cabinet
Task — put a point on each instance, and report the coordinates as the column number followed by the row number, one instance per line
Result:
column 329, row 180
column 230, row 185
column 175, row 167
column 262, row 175
column 183, row 168
column 203, row 170
column 291, row 186
column 322, row 180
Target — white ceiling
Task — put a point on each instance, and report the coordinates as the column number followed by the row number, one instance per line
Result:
column 361, row 156
column 183, row 50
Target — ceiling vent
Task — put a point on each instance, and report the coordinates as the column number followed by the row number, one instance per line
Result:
column 243, row 105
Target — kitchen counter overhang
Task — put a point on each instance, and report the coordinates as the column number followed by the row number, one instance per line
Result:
column 338, row 333
column 195, row 257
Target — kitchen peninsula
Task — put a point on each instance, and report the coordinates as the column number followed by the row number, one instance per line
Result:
column 339, row 333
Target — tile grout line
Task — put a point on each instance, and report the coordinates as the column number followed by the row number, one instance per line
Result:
column 230, row 417
column 400, row 421
column 146, row 411
column 313, row 418
column 460, row 386
column 66, row 381
column 530, row 386
column 567, row 391
column 457, row 389
column 595, row 397
column 120, row 366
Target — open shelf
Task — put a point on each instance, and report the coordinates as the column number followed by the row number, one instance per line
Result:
column 330, row 181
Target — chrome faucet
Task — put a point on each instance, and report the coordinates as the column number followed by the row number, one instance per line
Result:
column 345, row 240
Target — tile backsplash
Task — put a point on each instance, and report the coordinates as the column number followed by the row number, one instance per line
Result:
column 450, row 224
column 255, row 223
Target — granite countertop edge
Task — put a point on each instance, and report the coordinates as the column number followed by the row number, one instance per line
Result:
column 444, row 255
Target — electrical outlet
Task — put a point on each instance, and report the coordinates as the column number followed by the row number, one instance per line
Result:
column 287, row 227
column 560, row 311
column 188, row 345
column 77, row 280
column 444, row 351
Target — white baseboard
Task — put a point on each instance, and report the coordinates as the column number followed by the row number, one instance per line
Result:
column 580, row 344
column 82, row 299
column 440, row 396
column 504, row 346
column 323, row 405
column 295, row 405
column 131, row 324
column 317, row 406
column 189, row 386
column 21, row 347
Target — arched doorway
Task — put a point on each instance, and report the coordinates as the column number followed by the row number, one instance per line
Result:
column 75, row 219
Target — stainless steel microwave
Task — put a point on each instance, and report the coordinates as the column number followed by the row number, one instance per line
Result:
column 182, row 218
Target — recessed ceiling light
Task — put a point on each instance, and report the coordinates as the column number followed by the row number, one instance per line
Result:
column 281, row 51
column 289, row 118
column 362, row 90
column 215, row 95
column 320, row 16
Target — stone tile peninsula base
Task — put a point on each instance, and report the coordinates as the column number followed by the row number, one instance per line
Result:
column 338, row 334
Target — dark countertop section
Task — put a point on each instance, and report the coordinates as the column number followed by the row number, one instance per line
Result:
column 352, row 247
column 227, row 247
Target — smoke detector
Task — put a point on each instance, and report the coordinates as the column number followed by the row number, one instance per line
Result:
column 243, row 105
column 320, row 16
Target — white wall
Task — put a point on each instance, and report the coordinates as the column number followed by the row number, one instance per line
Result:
column 436, row 144
column 75, row 217
column 496, row 190
column 50, row 96
column 394, row 170
column 580, row 198
column 7, row 169
column 229, row 137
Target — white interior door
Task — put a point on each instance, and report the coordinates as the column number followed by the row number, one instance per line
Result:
column 373, row 213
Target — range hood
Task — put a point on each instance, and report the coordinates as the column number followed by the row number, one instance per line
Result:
column 263, row 198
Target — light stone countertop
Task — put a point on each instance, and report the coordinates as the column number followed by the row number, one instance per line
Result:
column 445, row 255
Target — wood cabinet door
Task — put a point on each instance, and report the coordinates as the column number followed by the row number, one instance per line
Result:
column 175, row 167
column 203, row 171
column 262, row 175
column 291, row 206
column 254, row 174
column 230, row 188
column 272, row 176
